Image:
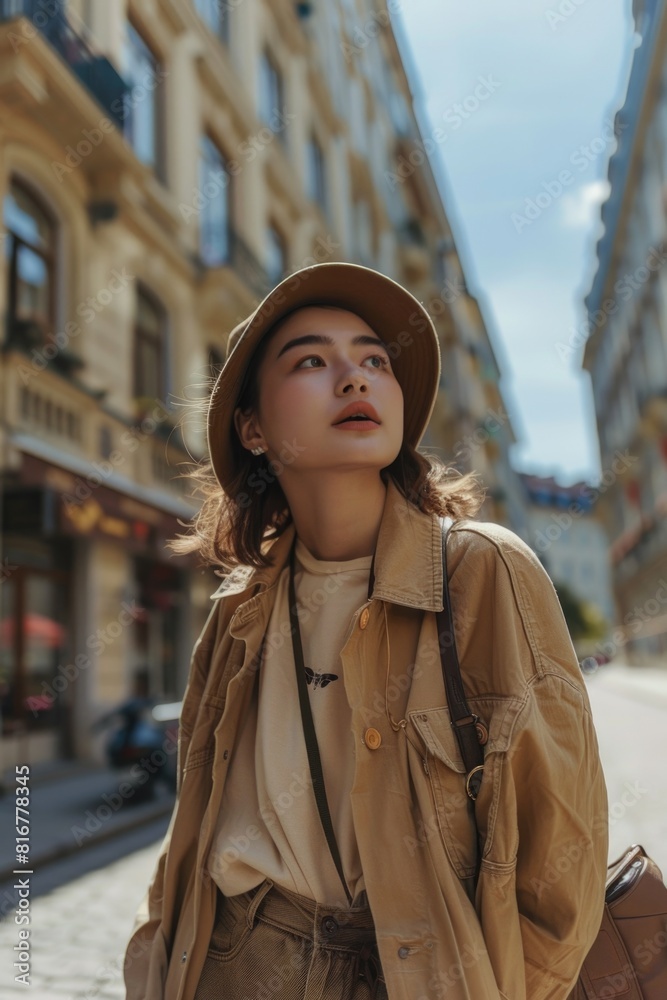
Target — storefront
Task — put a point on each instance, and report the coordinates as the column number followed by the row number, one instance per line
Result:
column 93, row 608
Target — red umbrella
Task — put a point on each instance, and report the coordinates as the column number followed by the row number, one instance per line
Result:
column 36, row 627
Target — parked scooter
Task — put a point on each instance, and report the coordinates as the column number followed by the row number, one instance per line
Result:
column 144, row 741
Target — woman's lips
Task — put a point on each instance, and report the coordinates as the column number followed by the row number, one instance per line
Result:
column 358, row 425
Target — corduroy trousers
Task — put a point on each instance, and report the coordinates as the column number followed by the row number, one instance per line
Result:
column 272, row 944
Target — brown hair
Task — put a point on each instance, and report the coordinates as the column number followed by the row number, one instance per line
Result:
column 231, row 528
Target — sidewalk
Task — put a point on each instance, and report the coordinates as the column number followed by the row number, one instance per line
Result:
column 74, row 805
column 644, row 684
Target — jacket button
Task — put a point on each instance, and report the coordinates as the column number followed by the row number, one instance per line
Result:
column 225, row 754
column 363, row 618
column 372, row 739
column 184, row 956
column 403, row 952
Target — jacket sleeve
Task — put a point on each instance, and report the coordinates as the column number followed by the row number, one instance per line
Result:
column 556, row 779
column 562, row 827
column 147, row 952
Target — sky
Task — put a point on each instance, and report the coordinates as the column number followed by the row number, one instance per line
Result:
column 538, row 83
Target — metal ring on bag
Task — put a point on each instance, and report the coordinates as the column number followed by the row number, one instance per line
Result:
column 480, row 767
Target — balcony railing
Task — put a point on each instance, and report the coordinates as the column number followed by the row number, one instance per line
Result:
column 94, row 71
column 234, row 252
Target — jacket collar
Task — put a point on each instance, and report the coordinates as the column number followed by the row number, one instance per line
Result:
column 408, row 558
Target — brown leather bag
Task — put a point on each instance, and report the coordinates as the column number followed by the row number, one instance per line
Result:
column 628, row 959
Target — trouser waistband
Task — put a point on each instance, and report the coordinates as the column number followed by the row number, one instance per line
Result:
column 330, row 926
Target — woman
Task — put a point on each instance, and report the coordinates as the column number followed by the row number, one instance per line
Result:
column 363, row 879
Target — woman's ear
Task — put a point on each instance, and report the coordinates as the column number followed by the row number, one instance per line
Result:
column 245, row 422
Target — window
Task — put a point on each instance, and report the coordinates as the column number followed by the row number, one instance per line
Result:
column 30, row 246
column 149, row 353
column 271, row 96
column 215, row 15
column 276, row 257
column 315, row 172
column 142, row 109
column 214, row 221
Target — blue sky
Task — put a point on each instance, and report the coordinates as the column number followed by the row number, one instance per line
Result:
column 553, row 81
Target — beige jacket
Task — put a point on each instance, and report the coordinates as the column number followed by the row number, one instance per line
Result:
column 542, row 808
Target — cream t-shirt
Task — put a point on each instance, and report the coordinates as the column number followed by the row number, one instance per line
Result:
column 269, row 824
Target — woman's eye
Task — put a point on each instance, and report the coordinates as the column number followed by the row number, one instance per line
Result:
column 313, row 357
column 383, row 361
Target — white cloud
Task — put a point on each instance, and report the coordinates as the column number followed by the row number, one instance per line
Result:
column 580, row 209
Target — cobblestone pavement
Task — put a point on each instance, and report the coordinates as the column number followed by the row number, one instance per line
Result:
column 78, row 934
column 79, row 931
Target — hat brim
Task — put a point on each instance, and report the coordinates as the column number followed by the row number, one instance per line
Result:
column 389, row 309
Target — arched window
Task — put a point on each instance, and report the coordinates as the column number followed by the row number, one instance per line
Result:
column 30, row 251
column 150, row 381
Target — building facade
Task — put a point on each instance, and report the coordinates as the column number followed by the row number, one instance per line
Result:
column 162, row 165
column 570, row 541
column 626, row 348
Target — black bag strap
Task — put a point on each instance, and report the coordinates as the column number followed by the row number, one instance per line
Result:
column 312, row 747
column 470, row 732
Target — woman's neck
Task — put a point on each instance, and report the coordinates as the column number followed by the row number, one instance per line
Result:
column 337, row 516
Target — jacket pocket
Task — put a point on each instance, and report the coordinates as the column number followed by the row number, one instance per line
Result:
column 461, row 821
column 447, row 776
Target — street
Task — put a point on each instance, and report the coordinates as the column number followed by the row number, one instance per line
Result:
column 79, row 930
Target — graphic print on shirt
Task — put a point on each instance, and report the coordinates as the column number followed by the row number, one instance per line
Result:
column 319, row 680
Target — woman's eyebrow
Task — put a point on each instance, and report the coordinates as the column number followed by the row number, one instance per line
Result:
column 320, row 338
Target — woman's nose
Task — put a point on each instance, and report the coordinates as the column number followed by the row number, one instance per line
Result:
column 354, row 380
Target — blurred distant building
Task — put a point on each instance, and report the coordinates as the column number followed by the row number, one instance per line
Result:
column 162, row 165
column 569, row 540
column 626, row 349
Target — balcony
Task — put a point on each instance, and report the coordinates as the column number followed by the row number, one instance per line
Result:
column 95, row 72
column 236, row 260
column 29, row 337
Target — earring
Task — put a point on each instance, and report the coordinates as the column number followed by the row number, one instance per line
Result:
column 258, row 450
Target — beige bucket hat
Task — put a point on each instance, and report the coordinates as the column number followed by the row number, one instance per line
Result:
column 389, row 309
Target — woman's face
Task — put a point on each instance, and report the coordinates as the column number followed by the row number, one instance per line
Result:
column 304, row 387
